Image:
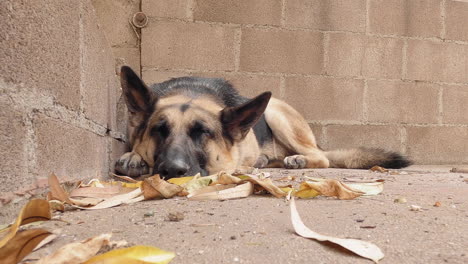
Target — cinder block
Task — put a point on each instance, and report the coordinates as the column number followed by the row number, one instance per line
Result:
column 13, row 147
column 455, row 110
column 456, row 20
column 352, row 136
column 438, row 145
column 127, row 56
column 264, row 12
column 406, row 18
column 281, row 51
column 188, row 45
column 319, row 136
column 166, row 8
column 151, row 76
column 118, row 148
column 358, row 55
column 320, row 98
column 41, row 47
column 68, row 151
column 345, row 54
column 402, row 102
column 98, row 79
column 433, row 61
column 114, row 17
column 383, row 58
column 342, row 15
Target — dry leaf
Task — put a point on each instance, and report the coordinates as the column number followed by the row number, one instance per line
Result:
column 222, row 192
column 368, row 188
column 198, row 182
column 379, row 169
column 437, row 204
column 180, row 181
column 126, row 178
column 21, row 245
column 77, row 252
column 334, row 188
column 87, row 201
column 56, row 205
column 115, row 200
column 305, row 191
column 96, row 192
column 224, row 178
column 155, row 187
column 359, row 247
column 34, row 210
column 269, row 186
column 46, row 241
column 133, row 255
column 56, row 191
column 459, row 170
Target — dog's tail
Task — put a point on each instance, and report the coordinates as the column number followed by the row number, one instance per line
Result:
column 366, row 158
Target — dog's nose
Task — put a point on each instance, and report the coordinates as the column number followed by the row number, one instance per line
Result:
column 173, row 168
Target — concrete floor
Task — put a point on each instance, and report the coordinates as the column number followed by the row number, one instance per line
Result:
column 257, row 229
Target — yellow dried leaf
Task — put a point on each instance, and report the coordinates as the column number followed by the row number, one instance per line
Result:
column 180, row 181
column 198, row 182
column 34, row 210
column 334, row 188
column 305, row 191
column 133, row 255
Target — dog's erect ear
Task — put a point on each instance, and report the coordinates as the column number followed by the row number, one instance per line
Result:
column 138, row 97
column 238, row 120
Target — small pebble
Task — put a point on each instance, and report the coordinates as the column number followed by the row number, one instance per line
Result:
column 400, row 200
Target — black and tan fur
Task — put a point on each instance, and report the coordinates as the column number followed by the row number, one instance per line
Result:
column 189, row 125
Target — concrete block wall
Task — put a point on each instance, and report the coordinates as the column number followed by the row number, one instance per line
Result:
column 378, row 73
column 58, row 95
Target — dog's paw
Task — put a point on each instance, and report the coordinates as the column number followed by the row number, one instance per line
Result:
column 262, row 162
column 295, row 162
column 131, row 164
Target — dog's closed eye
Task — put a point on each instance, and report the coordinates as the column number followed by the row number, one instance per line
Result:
column 161, row 129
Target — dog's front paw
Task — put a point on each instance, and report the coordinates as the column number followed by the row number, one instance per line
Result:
column 295, row 162
column 131, row 164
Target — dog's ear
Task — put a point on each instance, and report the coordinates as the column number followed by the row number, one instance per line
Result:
column 138, row 97
column 238, row 120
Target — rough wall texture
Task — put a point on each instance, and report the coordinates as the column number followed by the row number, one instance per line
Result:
column 58, row 94
column 381, row 73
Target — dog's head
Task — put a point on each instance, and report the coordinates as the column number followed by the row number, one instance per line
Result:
column 184, row 133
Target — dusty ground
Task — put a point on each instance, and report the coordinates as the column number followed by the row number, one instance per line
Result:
column 258, row 229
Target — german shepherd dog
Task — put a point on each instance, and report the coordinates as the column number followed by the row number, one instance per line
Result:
column 192, row 125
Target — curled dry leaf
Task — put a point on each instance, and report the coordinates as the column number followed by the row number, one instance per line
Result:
column 359, row 247
column 133, row 255
column 269, row 186
column 155, row 187
column 34, row 210
column 378, row 169
column 56, row 191
column 334, row 188
column 21, row 245
column 77, row 252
